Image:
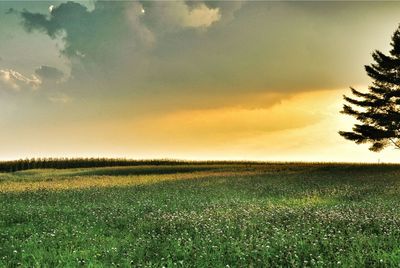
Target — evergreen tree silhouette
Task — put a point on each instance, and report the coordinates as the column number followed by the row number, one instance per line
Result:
column 378, row 110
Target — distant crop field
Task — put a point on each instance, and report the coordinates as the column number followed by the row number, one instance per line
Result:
column 202, row 215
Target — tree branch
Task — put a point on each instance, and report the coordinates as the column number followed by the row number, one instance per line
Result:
column 394, row 143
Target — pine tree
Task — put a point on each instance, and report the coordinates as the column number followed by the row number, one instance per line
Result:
column 378, row 110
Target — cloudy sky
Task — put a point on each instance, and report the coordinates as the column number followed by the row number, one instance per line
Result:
column 252, row 80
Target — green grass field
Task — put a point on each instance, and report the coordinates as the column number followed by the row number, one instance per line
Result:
column 231, row 215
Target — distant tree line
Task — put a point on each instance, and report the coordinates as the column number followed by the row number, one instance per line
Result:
column 63, row 163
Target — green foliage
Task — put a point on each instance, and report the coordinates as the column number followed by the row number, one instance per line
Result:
column 282, row 215
column 378, row 111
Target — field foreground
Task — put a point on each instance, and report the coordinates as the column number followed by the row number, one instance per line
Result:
column 215, row 215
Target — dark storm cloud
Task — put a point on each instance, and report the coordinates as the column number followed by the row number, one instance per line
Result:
column 226, row 47
column 116, row 40
column 87, row 34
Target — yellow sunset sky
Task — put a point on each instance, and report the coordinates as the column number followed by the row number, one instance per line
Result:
column 219, row 80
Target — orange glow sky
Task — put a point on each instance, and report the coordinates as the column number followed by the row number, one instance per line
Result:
column 240, row 80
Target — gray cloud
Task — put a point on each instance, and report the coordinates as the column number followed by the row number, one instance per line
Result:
column 116, row 36
column 59, row 98
column 48, row 72
column 116, row 26
column 226, row 8
column 88, row 34
column 172, row 16
column 10, row 11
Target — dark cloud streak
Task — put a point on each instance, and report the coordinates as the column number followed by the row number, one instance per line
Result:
column 48, row 72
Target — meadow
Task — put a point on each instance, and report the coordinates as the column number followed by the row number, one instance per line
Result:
column 202, row 215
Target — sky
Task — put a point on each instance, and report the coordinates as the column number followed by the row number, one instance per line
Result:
column 196, row 80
